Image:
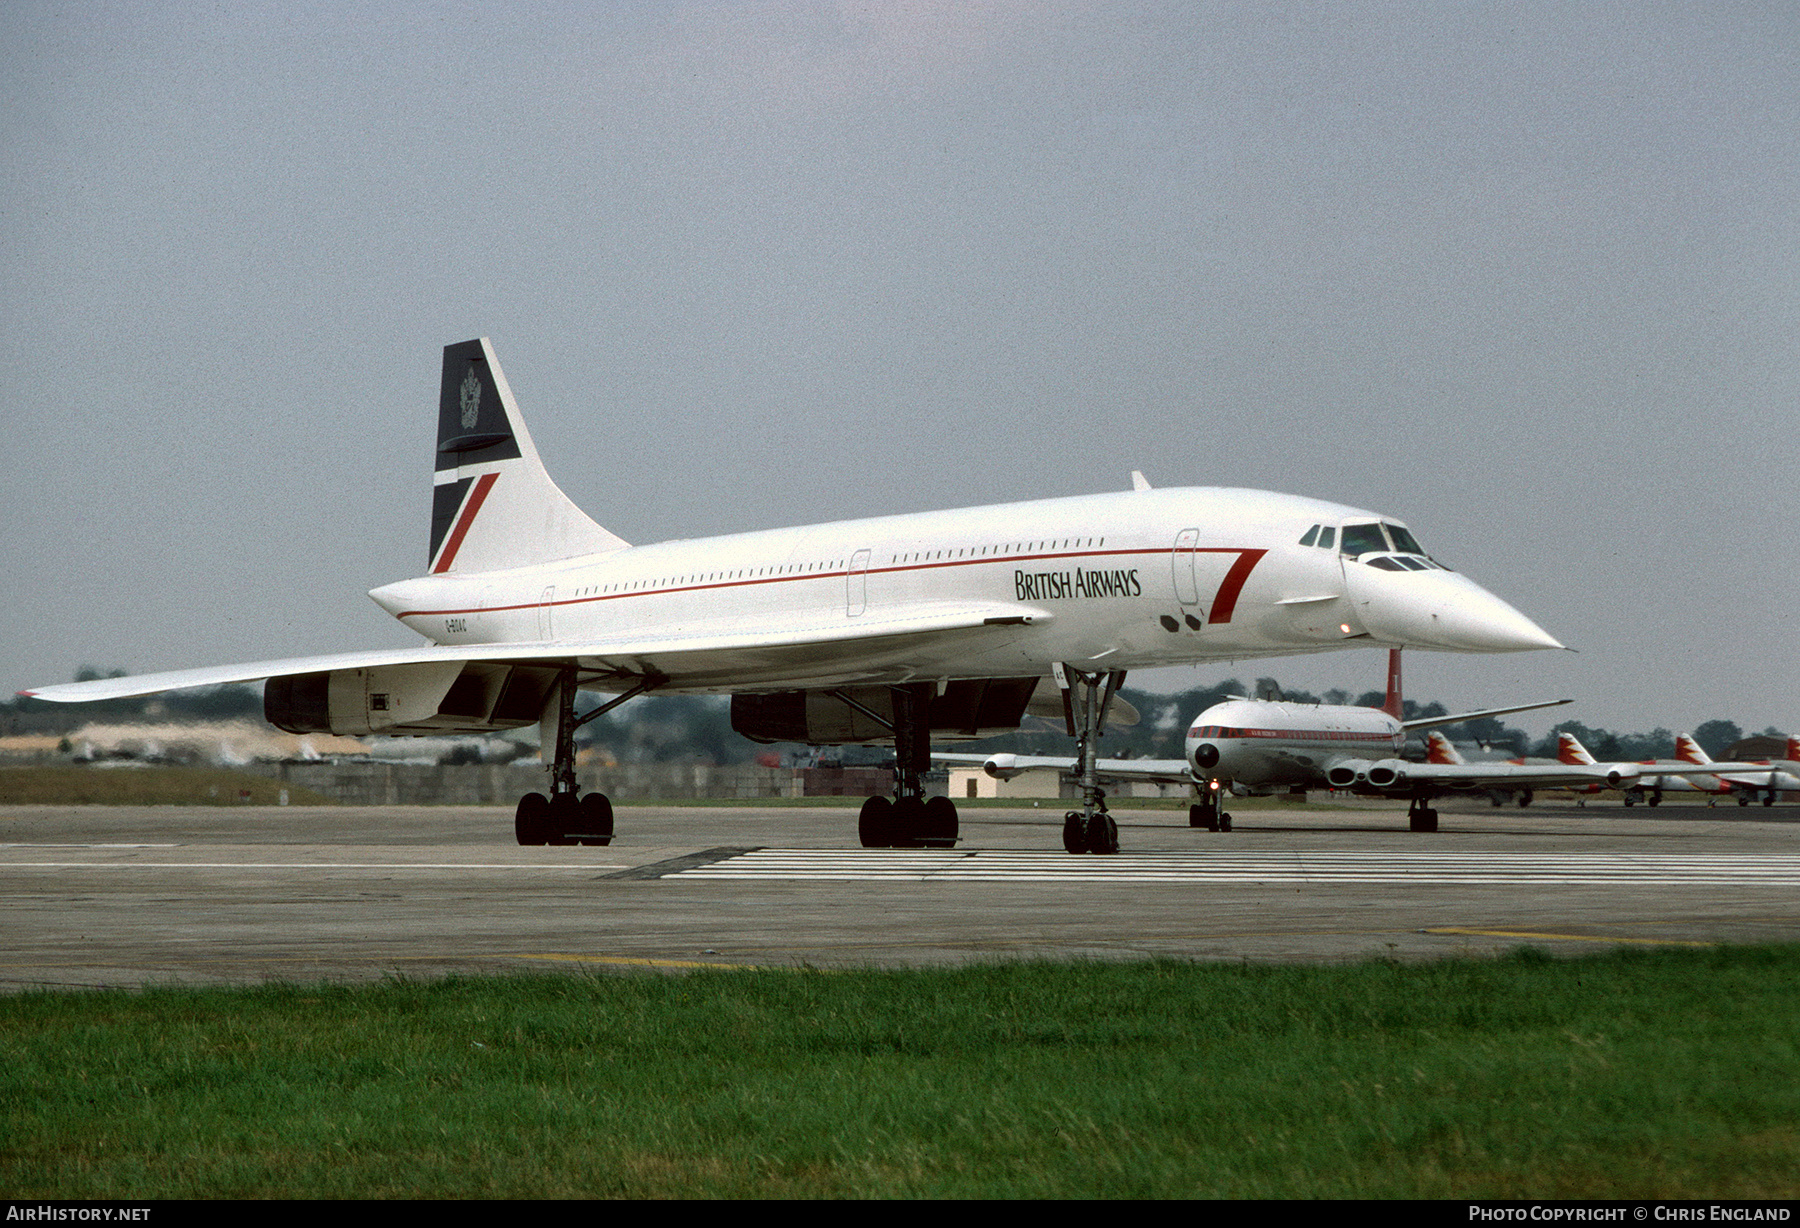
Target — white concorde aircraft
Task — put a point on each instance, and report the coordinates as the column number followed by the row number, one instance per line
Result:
column 1252, row 744
column 888, row 629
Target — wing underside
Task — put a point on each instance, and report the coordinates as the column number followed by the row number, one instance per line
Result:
column 898, row 646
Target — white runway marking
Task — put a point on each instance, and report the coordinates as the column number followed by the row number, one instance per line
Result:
column 1602, row 869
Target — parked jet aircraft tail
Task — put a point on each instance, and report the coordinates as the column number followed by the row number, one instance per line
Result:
column 493, row 505
column 1689, row 751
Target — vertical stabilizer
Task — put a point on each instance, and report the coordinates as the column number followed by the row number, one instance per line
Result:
column 1394, row 706
column 1689, row 751
column 1439, row 749
column 493, row 505
column 1570, row 750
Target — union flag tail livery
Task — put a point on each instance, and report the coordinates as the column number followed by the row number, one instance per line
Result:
column 493, row 505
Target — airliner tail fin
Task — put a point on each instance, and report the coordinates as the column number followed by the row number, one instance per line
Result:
column 493, row 505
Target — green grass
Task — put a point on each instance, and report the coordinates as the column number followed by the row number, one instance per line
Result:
column 1665, row 1074
column 146, row 786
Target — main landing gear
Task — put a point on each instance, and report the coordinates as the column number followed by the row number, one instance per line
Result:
column 911, row 820
column 1085, row 700
column 1209, row 811
column 1420, row 816
column 567, row 816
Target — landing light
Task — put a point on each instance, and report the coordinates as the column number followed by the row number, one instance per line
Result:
column 1344, row 627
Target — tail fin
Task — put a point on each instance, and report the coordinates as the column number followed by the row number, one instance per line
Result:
column 1570, row 750
column 1793, row 749
column 1394, row 706
column 1689, row 751
column 1440, row 750
column 493, row 505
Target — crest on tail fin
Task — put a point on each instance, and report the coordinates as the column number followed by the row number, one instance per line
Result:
column 493, row 505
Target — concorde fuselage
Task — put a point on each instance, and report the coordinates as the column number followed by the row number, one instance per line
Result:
column 1117, row 581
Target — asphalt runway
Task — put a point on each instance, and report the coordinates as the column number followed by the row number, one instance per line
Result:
column 124, row 896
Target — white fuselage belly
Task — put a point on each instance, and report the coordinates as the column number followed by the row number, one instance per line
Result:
column 1100, row 571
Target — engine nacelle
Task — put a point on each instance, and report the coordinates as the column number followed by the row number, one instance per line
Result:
column 1348, row 773
column 973, row 708
column 427, row 697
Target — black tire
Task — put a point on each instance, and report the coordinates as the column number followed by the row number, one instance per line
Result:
column 939, row 827
column 875, row 824
column 1102, row 834
column 1224, row 822
column 1075, row 833
column 908, row 823
column 596, row 823
column 562, row 819
column 1196, row 815
column 529, row 819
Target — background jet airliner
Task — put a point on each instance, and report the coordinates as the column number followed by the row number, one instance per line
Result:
column 1255, row 744
column 1748, row 779
column 898, row 628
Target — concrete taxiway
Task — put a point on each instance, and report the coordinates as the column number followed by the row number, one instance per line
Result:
column 122, row 896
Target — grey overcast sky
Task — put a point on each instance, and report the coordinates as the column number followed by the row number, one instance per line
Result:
column 1523, row 275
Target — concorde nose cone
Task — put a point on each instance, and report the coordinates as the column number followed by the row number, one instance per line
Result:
column 1440, row 610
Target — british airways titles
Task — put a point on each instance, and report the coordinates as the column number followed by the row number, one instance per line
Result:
column 1057, row 585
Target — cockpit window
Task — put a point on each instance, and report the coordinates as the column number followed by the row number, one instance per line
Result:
column 1363, row 539
column 1404, row 541
column 1312, row 535
column 1328, row 537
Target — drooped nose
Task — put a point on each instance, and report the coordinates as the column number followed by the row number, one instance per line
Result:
column 1441, row 610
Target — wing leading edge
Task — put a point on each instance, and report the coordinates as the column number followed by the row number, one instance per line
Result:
column 743, row 656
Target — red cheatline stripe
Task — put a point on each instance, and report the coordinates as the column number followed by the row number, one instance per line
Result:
column 1228, row 594
column 480, row 493
column 1240, row 571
